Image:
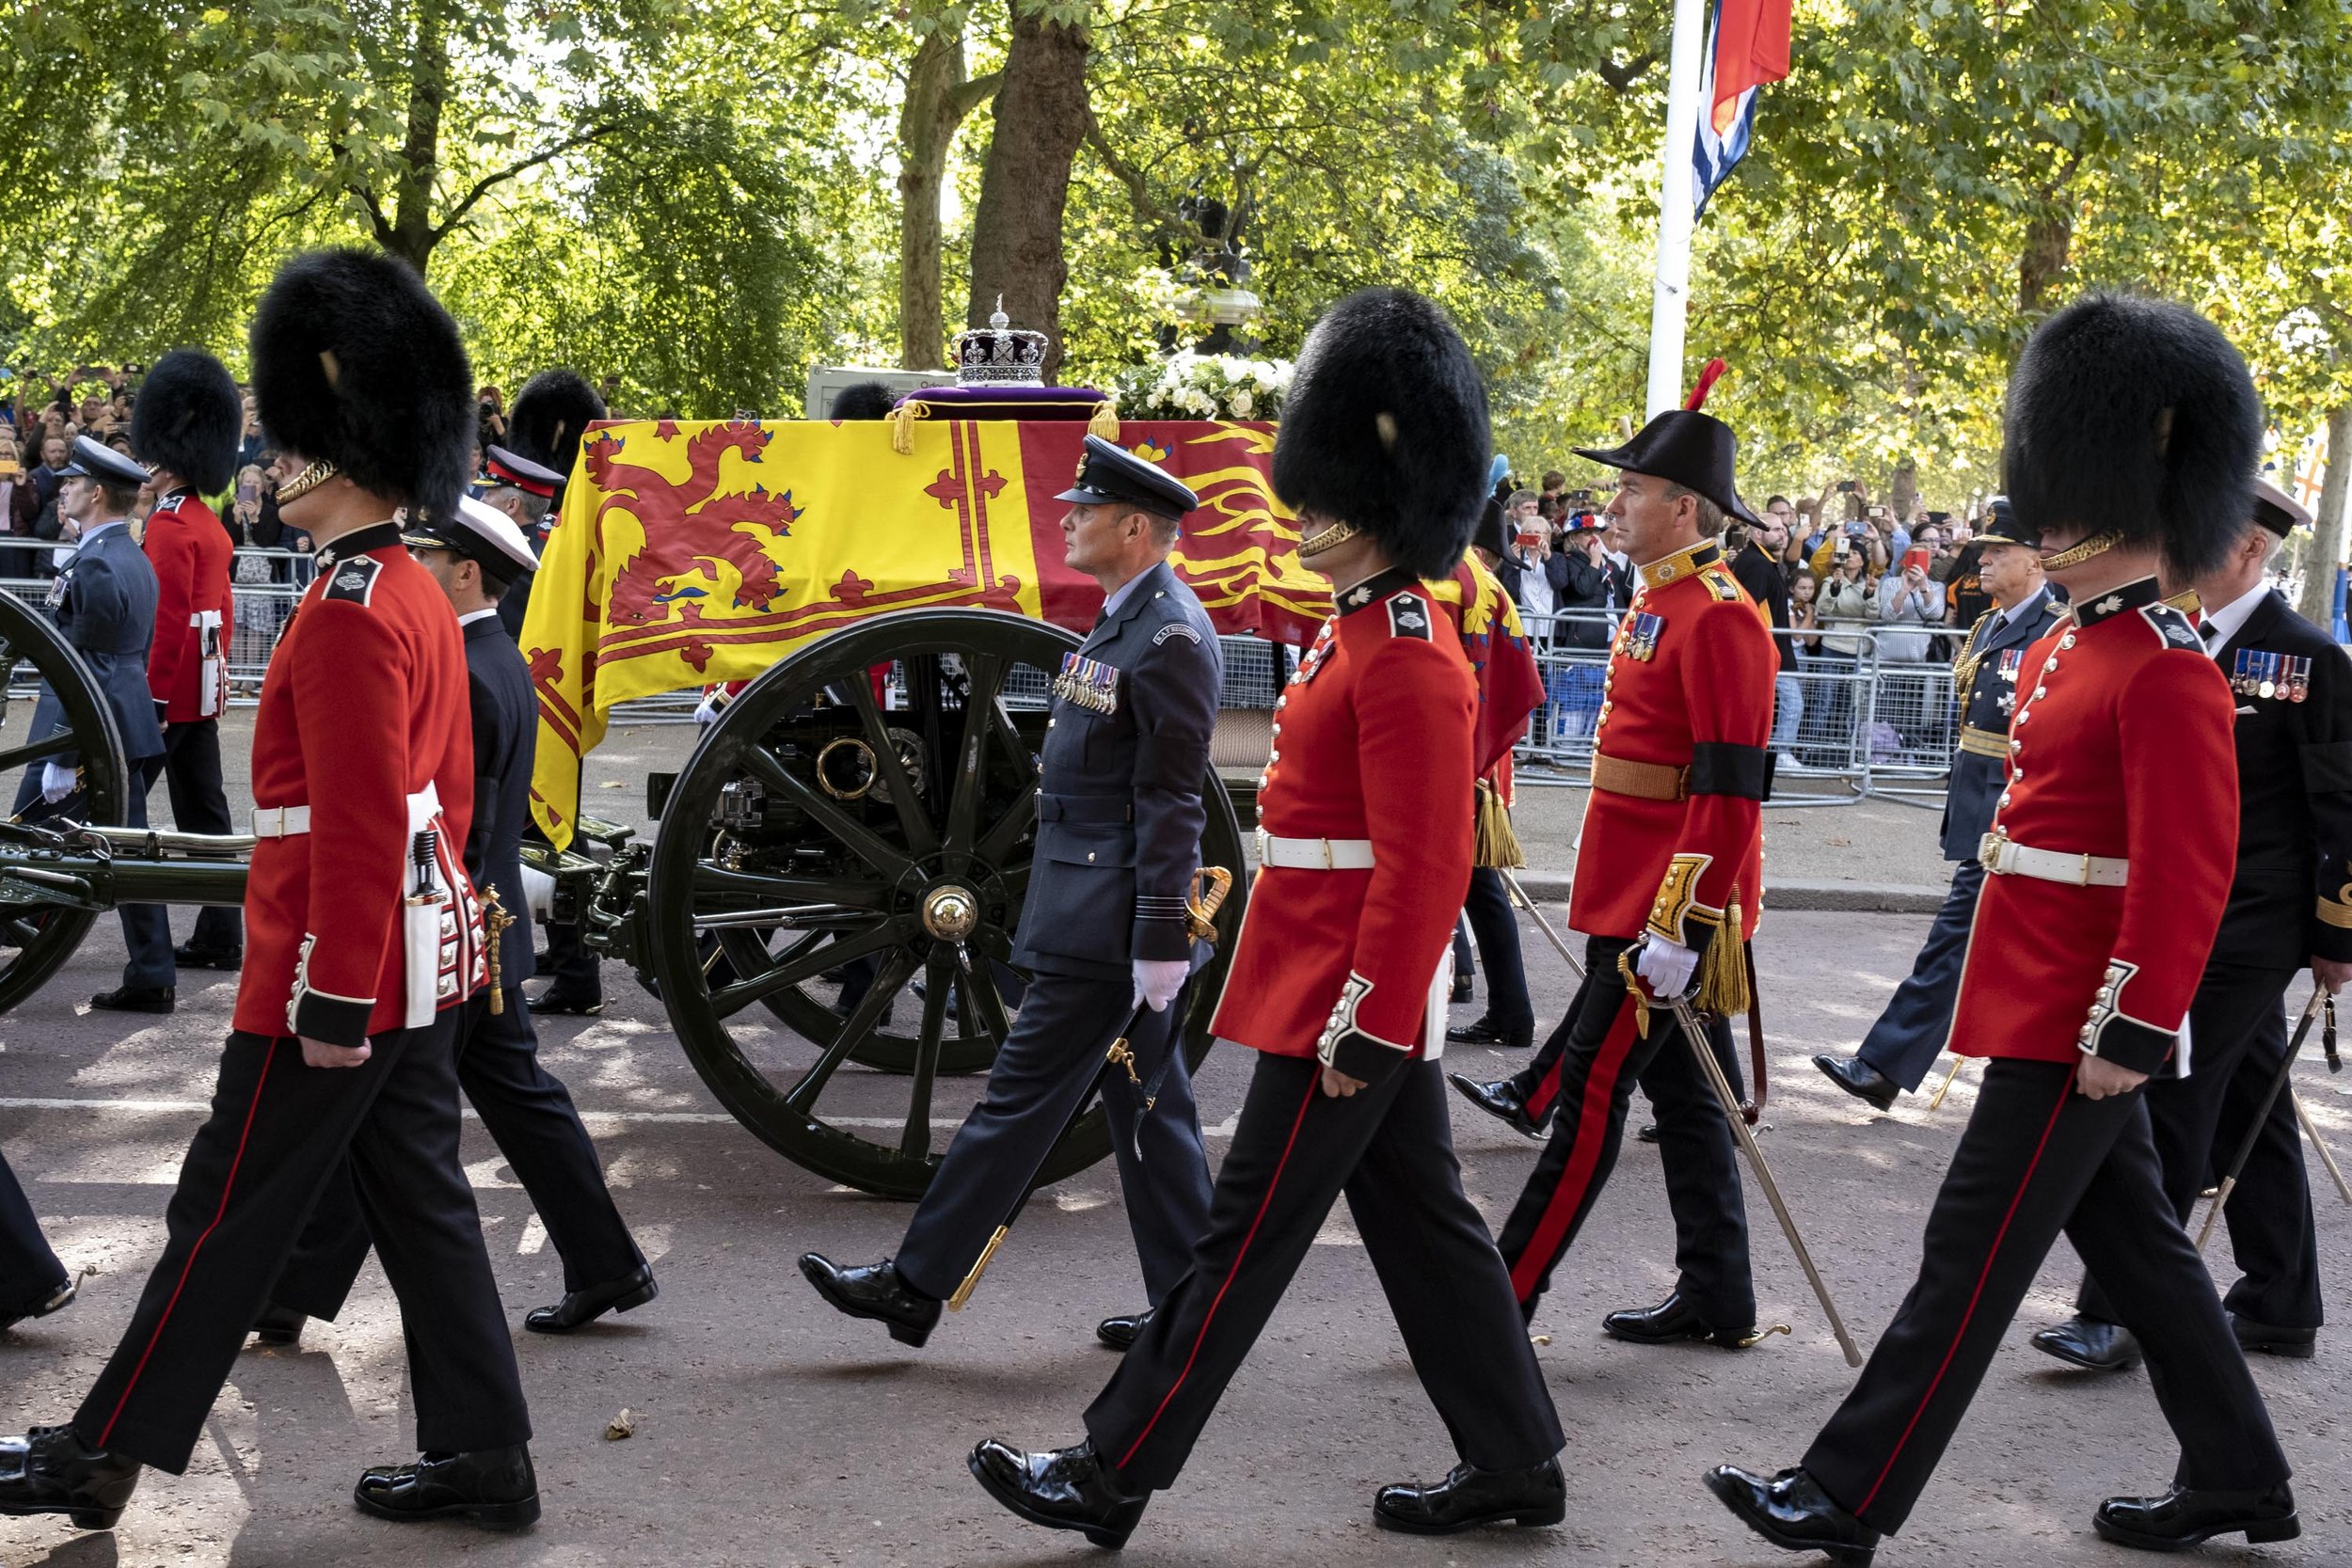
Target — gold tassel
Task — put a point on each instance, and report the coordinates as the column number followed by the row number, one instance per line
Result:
column 902, row 426
column 1104, row 421
column 1722, row 978
column 1496, row 846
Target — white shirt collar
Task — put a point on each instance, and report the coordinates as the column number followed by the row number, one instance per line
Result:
column 103, row 529
column 473, row 615
column 2231, row 616
column 1124, row 592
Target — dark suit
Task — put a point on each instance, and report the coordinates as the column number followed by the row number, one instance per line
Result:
column 29, row 1272
column 1119, row 835
column 2290, row 899
column 526, row 1109
column 1584, row 585
column 106, row 608
column 1910, row 1034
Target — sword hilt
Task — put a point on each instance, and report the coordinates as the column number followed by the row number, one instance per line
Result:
column 2327, row 1037
column 1200, row 908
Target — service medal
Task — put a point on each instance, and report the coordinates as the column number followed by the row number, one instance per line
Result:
column 2299, row 680
column 2269, row 686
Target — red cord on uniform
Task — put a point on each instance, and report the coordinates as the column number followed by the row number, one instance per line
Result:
column 1707, row 383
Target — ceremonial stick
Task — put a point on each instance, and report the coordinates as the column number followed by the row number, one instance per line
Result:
column 1945, row 1087
column 1697, row 1042
column 2320, row 1145
column 2261, row 1113
column 1200, row 913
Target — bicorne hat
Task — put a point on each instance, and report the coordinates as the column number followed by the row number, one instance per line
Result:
column 1684, row 447
column 187, row 418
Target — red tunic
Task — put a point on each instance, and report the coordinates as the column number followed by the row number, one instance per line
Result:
column 1372, row 740
column 365, row 706
column 2121, row 746
column 190, row 552
column 1690, row 687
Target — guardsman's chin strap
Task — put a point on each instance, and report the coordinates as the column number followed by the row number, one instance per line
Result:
column 2075, row 555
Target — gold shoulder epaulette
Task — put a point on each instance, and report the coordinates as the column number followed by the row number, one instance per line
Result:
column 1719, row 581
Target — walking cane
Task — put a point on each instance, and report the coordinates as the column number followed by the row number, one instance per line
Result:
column 1694, row 1037
column 2261, row 1113
column 1201, row 916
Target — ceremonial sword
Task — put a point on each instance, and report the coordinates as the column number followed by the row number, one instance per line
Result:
column 2261, row 1113
column 1692, row 1036
column 1200, row 919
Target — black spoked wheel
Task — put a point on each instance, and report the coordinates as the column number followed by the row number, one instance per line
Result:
column 36, row 935
column 842, row 848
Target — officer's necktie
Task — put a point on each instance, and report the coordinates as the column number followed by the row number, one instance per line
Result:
column 2207, row 631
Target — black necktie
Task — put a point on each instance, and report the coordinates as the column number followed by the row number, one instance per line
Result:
column 2206, row 631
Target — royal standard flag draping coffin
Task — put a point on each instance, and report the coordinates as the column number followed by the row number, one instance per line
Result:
column 693, row 551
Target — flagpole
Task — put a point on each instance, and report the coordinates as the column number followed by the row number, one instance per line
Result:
column 1670, row 301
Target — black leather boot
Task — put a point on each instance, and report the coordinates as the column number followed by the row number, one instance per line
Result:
column 1791, row 1509
column 579, row 1308
column 278, row 1326
column 874, row 1290
column 1670, row 1321
column 1859, row 1079
column 1121, row 1331
column 56, row 1300
column 137, row 999
column 2182, row 1517
column 1485, row 1031
column 1500, row 1100
column 51, row 1470
column 1469, row 1498
column 1061, row 1489
column 565, row 1001
column 192, row 957
column 495, row 1488
column 2087, row 1342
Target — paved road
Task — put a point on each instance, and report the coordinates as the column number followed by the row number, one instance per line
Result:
column 770, row 1432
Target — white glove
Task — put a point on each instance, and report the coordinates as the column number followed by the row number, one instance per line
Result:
column 1666, row 965
column 57, row 782
column 1157, row 980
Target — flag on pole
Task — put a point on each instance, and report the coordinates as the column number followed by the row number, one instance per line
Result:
column 1747, row 46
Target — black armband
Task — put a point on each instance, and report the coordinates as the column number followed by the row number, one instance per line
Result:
column 1727, row 768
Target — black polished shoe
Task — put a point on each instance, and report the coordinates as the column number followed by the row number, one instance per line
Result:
column 1791, row 1509
column 2091, row 1345
column 192, row 957
column 51, row 1470
column 1861, row 1080
column 137, row 999
column 560, row 1000
column 2181, row 1518
column 1469, row 1498
column 1500, row 1100
column 874, row 1290
column 1463, row 990
column 1120, row 1333
column 2269, row 1338
column 1061, row 1489
column 1672, row 1321
column 55, row 1300
column 495, row 1488
column 579, row 1308
column 1485, row 1031
column 1646, row 1132
column 278, row 1326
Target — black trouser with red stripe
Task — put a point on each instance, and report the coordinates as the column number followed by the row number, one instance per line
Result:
column 1583, row 1080
column 277, row 1132
column 2038, row 1158
column 2239, row 1037
column 1390, row 1148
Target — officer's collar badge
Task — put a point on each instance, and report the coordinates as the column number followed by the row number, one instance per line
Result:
column 2131, row 595
column 1680, row 565
column 1374, row 589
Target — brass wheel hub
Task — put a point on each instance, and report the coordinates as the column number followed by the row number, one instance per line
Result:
column 950, row 912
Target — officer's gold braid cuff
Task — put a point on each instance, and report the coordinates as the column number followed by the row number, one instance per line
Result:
column 1676, row 905
column 2337, row 911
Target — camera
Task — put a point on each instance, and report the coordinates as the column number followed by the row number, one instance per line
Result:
column 1845, row 486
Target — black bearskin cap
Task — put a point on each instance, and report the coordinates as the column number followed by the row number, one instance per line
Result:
column 1385, row 428
column 187, row 418
column 863, row 399
column 550, row 414
column 355, row 362
column 2135, row 416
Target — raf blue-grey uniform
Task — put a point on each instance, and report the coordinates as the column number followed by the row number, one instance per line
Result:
column 1120, row 814
column 1910, row 1034
column 105, row 604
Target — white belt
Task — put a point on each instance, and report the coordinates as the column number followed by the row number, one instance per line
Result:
column 1314, row 854
column 2005, row 857
column 293, row 821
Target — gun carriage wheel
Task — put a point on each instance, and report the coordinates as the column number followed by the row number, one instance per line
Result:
column 41, row 921
column 817, row 831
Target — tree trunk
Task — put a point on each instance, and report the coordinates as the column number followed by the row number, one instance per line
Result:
column 1903, row 492
column 2049, row 245
column 938, row 100
column 2327, row 530
column 1017, row 232
column 411, row 235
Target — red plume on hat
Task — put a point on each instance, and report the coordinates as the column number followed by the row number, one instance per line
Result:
column 1709, row 375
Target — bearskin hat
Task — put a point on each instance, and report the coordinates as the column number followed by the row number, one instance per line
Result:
column 187, row 418
column 2136, row 417
column 863, row 399
column 1385, row 428
column 357, row 363
column 550, row 414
